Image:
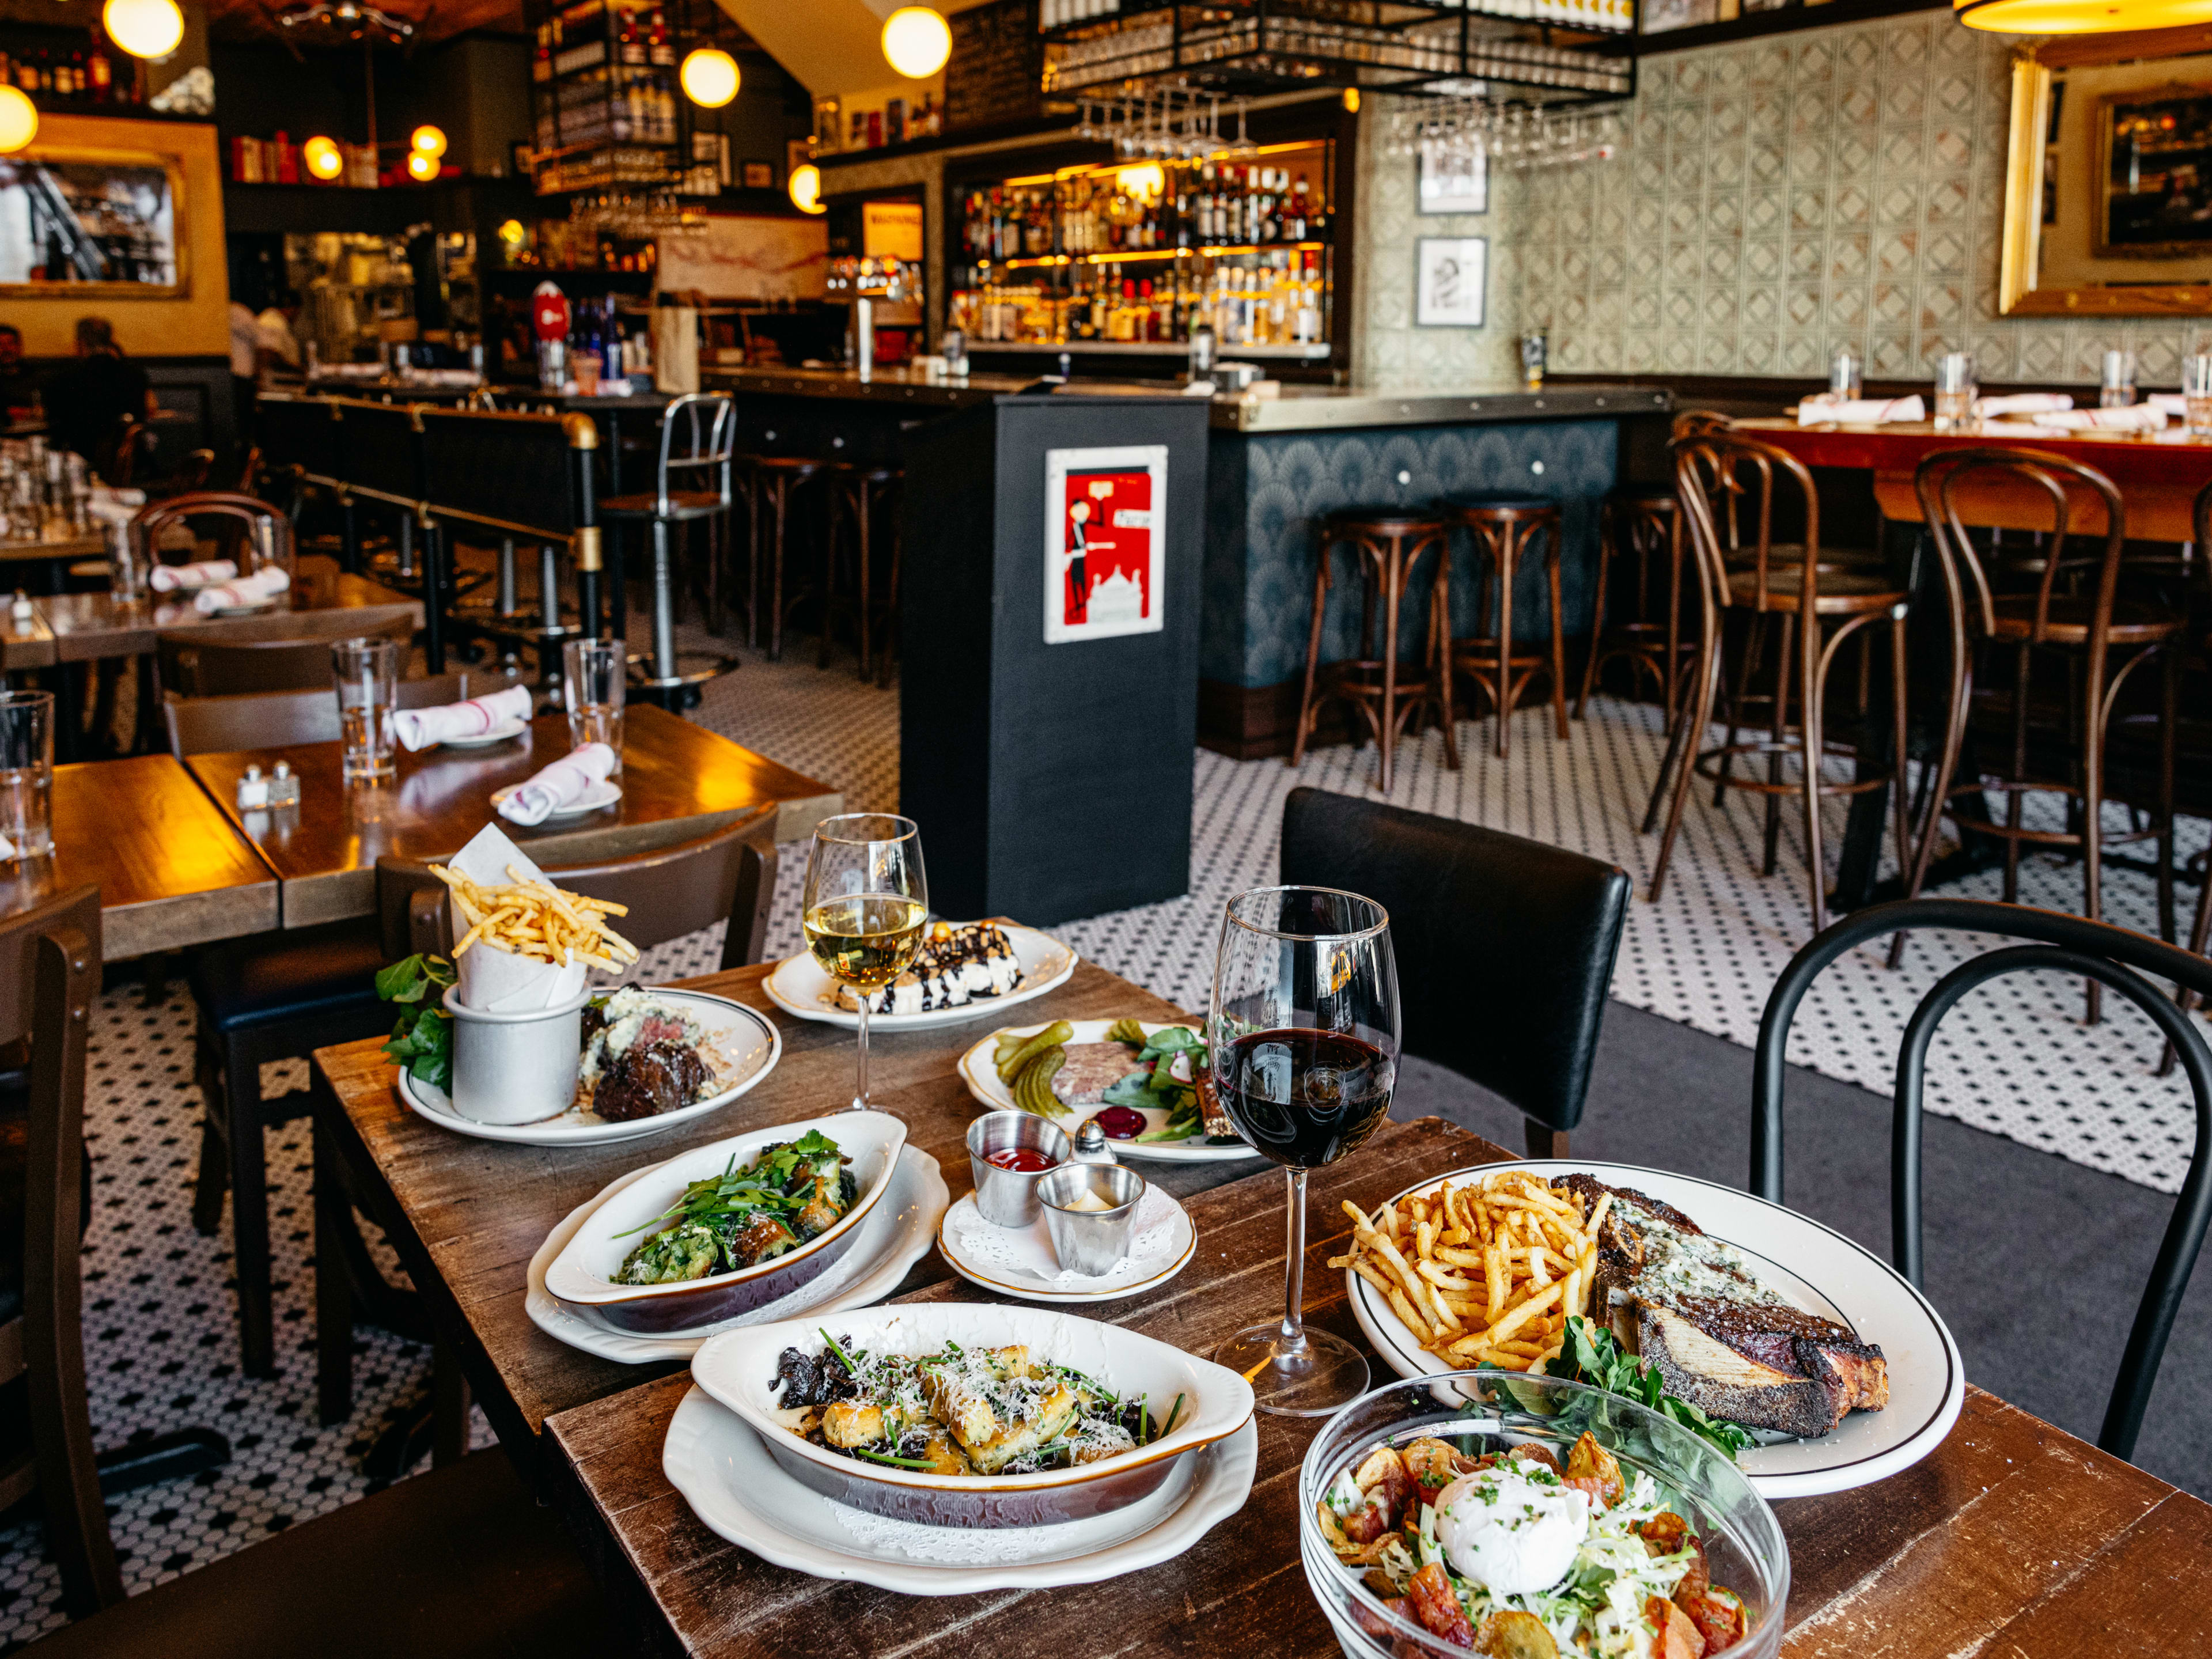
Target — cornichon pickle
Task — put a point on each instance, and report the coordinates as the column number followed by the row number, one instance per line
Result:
column 1051, row 1036
column 1126, row 1030
column 1033, row 1087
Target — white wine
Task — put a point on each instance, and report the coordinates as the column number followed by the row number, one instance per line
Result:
column 866, row 941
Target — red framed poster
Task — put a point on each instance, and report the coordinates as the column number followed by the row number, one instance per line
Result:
column 1104, row 541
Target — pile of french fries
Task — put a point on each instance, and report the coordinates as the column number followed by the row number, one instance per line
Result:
column 537, row 919
column 1487, row 1272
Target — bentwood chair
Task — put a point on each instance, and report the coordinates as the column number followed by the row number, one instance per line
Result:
column 1506, row 533
column 2098, row 639
column 293, row 652
column 270, row 719
column 692, row 483
column 1728, row 487
column 1505, row 946
column 2130, row 964
column 2198, row 929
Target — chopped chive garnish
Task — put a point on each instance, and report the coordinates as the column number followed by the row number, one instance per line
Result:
column 895, row 1462
column 844, row 1358
column 1174, row 1412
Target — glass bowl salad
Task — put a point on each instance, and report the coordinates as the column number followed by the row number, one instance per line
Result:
column 1527, row 1539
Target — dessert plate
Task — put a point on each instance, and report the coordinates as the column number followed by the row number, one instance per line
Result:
column 1019, row 1260
column 717, row 1461
column 604, row 793
column 896, row 1234
column 799, row 988
column 505, row 733
column 744, row 1039
column 979, row 1071
column 1808, row 1264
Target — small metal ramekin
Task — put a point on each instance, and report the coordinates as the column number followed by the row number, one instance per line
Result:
column 1008, row 1198
column 1091, row 1242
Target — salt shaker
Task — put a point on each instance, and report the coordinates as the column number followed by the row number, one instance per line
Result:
column 21, row 611
column 1091, row 1145
column 253, row 791
column 283, row 785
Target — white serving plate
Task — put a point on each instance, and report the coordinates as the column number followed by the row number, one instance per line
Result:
column 582, row 1273
column 979, row 1071
column 738, row 1369
column 1030, row 1276
column 724, row 1471
column 743, row 1037
column 604, row 793
column 799, row 987
column 1812, row 1265
column 506, row 733
column 896, row 1236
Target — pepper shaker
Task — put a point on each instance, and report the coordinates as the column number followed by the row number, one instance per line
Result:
column 253, row 791
column 1091, row 1145
column 283, row 785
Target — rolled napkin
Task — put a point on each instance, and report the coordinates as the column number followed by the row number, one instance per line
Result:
column 168, row 578
column 2021, row 429
column 2022, row 403
column 418, row 728
column 265, row 583
column 559, row 785
column 2135, row 417
column 1865, row 412
column 2172, row 402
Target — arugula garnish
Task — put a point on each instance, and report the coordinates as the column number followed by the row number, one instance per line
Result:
column 781, row 1180
column 421, row 1039
column 1592, row 1355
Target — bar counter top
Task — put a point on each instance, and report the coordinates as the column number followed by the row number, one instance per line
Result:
column 1296, row 409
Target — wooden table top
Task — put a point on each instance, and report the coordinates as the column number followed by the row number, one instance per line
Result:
column 92, row 546
column 172, row 870
column 677, row 778
column 26, row 641
column 93, row 625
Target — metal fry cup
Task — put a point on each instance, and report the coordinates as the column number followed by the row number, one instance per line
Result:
column 1086, row 1241
column 1008, row 1198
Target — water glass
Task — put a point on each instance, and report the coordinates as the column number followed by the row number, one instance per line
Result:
column 368, row 675
column 594, row 675
column 1845, row 378
column 1954, row 391
column 2119, row 386
column 26, row 773
column 2197, row 393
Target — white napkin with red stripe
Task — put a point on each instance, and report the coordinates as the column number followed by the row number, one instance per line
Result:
column 168, row 578
column 1860, row 411
column 562, row 784
column 418, row 728
column 2022, row 403
column 264, row 584
column 2135, row 417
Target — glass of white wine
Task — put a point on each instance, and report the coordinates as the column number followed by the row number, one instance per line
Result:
column 863, row 910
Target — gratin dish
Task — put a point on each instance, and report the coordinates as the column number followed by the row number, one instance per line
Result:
column 1490, row 1411
column 583, row 1274
column 738, row 1369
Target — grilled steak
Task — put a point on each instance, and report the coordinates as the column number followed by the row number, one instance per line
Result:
column 649, row 1078
column 1689, row 1305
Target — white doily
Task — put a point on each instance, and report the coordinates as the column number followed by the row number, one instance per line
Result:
column 1026, row 1251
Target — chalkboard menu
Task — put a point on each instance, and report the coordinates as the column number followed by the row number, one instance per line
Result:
column 996, row 61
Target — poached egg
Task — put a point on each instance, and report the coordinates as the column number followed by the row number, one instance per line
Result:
column 1512, row 1529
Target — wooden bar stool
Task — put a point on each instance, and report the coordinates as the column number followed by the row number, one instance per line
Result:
column 771, row 484
column 1502, row 529
column 1387, row 542
column 1643, row 522
column 860, row 492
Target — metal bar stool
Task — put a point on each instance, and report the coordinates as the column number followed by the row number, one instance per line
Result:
column 1502, row 529
column 859, row 491
column 1642, row 522
column 2091, row 631
column 1710, row 473
column 1387, row 543
column 705, row 453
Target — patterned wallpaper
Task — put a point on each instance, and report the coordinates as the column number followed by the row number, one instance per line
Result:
column 1774, row 199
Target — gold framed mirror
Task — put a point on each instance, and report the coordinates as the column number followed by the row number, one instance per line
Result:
column 2108, row 179
column 104, row 224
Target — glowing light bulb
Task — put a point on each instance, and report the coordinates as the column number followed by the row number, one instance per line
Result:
column 144, row 29
column 427, row 141
column 1352, row 101
column 916, row 42
column 324, row 158
column 421, row 167
column 512, row 233
column 2079, row 17
column 806, row 188
column 19, row 121
column 709, row 77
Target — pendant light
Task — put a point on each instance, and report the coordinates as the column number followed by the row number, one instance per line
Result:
column 19, row 121
column 324, row 158
column 2080, row 16
column 916, row 42
column 709, row 77
column 422, row 167
column 427, row 140
column 805, row 188
column 144, row 29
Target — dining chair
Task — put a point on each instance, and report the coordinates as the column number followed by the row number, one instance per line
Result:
column 2097, row 638
column 1505, row 945
column 270, row 719
column 2201, row 523
column 294, row 653
column 2130, row 964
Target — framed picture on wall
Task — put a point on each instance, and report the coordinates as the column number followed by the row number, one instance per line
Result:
column 2155, row 173
column 1453, row 178
column 1103, row 545
column 92, row 223
column 760, row 175
column 1449, row 275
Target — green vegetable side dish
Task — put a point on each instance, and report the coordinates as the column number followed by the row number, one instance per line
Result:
column 421, row 1039
column 793, row 1191
column 1028, row 1065
column 1591, row 1354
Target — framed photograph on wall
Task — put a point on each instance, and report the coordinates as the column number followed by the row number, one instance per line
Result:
column 760, row 175
column 1103, row 550
column 2155, row 173
column 1453, row 178
column 1449, row 275
column 92, row 223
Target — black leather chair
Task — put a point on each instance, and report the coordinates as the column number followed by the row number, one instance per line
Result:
column 1505, row 946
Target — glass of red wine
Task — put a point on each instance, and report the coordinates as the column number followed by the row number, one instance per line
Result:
column 1303, row 1030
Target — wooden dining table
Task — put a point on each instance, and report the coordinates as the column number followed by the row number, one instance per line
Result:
column 2011, row 1538
column 677, row 780
column 87, row 627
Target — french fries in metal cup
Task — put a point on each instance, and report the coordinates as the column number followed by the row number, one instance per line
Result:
column 1483, row 1271
column 528, row 916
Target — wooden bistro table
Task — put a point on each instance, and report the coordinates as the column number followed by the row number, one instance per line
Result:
column 677, row 780
column 87, row 626
column 2011, row 1539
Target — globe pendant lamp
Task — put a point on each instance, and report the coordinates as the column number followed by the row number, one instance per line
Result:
column 324, row 158
column 421, row 166
column 916, row 42
column 19, row 121
column 144, row 29
column 805, row 188
column 709, row 77
column 427, row 140
column 2080, row 16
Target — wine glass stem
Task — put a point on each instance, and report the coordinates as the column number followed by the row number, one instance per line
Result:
column 1294, row 1290
column 860, row 1089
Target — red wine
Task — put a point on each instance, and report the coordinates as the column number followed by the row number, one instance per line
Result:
column 1306, row 1098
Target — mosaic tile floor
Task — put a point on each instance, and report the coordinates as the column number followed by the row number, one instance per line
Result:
column 159, row 1325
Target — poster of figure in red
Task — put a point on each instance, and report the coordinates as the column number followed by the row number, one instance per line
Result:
column 1104, row 542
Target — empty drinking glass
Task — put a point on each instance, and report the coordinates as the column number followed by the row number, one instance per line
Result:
column 2197, row 392
column 1845, row 380
column 26, row 773
column 1954, row 391
column 2119, row 386
column 595, row 674
column 368, row 675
